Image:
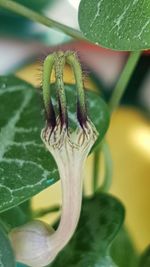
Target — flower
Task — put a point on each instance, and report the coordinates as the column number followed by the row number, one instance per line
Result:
column 70, row 150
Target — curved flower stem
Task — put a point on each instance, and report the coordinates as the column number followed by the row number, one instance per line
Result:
column 71, row 181
column 35, row 16
column 123, row 80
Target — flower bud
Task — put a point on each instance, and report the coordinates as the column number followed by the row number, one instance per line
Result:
column 30, row 243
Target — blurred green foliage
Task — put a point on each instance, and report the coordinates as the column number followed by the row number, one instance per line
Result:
column 15, row 25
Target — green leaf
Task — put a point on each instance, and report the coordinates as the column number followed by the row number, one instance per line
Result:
column 145, row 258
column 26, row 167
column 115, row 24
column 122, row 249
column 6, row 253
column 100, row 220
column 13, row 218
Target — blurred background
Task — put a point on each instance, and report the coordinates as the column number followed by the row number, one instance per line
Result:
column 23, row 44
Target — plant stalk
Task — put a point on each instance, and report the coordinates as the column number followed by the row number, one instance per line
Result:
column 124, row 80
column 108, row 168
column 35, row 16
column 96, row 167
column 113, row 103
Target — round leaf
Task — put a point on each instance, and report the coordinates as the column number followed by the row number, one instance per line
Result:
column 119, row 25
column 100, row 220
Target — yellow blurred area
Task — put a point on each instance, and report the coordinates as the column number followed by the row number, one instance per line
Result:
column 33, row 74
column 129, row 140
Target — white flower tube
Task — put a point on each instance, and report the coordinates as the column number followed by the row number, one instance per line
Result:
column 35, row 244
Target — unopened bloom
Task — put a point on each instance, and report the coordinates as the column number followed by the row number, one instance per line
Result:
column 70, row 150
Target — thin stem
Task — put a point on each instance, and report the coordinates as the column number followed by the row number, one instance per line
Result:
column 34, row 16
column 108, row 168
column 96, row 166
column 123, row 80
column 114, row 101
column 103, row 149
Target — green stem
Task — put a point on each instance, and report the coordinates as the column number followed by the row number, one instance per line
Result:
column 108, row 168
column 34, row 16
column 123, row 80
column 96, row 166
column 103, row 149
column 114, row 101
